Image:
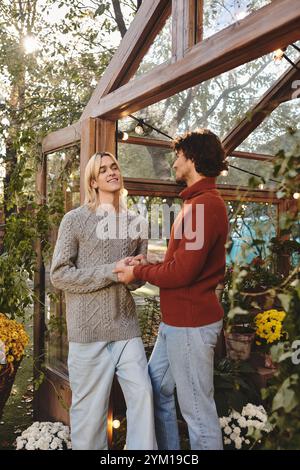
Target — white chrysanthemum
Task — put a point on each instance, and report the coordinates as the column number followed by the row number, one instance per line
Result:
column 237, row 430
column 29, row 447
column 227, row 430
column 20, row 444
column 242, row 422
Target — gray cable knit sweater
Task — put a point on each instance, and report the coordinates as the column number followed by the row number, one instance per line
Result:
column 98, row 307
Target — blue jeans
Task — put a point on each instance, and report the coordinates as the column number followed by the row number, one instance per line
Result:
column 183, row 358
column 91, row 370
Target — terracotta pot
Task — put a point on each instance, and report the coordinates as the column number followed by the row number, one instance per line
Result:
column 238, row 345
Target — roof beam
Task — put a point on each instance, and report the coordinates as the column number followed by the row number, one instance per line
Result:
column 273, row 26
column 281, row 91
column 147, row 23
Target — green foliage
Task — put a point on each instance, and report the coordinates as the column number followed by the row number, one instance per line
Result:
column 234, row 386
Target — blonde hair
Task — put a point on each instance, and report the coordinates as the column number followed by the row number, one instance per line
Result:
column 92, row 171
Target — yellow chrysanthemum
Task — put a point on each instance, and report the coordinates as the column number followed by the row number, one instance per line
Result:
column 269, row 325
column 14, row 338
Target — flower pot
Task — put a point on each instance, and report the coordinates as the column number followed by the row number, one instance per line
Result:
column 238, row 345
column 7, row 378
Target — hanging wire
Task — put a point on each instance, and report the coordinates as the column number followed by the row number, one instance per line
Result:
column 140, row 120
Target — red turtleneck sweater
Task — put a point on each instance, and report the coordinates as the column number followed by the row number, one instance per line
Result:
column 189, row 275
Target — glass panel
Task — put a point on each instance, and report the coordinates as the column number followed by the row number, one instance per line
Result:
column 139, row 161
column 267, row 137
column 160, row 51
column 219, row 103
column 218, row 14
column 250, row 224
column 63, row 194
column 147, row 297
column 240, row 178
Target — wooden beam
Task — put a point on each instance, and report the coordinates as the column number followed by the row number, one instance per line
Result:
column 105, row 136
column 141, row 187
column 97, row 135
column 251, row 155
column 279, row 92
column 39, row 290
column 186, row 31
column 241, row 42
column 87, row 149
column 147, row 23
column 147, row 142
column 62, row 138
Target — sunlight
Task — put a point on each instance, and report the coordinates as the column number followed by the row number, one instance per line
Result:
column 30, row 44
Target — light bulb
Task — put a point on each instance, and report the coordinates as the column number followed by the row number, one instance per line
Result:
column 125, row 136
column 241, row 15
column 296, row 195
column 139, row 129
column 116, row 424
column 278, row 55
column 261, row 186
column 224, row 172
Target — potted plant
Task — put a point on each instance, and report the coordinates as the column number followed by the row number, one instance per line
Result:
column 269, row 331
column 13, row 340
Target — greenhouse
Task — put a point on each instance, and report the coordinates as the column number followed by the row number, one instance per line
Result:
column 128, row 77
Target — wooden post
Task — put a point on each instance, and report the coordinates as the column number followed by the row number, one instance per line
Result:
column 97, row 135
column 187, row 26
column 39, row 290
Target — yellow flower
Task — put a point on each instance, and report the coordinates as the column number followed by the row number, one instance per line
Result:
column 269, row 325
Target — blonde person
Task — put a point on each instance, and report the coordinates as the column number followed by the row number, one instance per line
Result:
column 103, row 332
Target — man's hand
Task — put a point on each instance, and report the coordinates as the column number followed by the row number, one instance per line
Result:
column 125, row 273
column 139, row 259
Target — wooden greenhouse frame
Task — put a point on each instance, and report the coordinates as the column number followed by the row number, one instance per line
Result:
column 194, row 61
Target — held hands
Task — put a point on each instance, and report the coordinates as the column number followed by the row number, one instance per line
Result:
column 124, row 268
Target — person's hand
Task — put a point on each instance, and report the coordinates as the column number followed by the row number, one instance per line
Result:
column 138, row 260
column 124, row 262
column 125, row 273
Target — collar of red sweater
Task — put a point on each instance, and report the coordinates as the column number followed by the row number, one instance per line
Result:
column 206, row 184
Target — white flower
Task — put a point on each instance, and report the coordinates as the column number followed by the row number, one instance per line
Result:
column 29, row 447
column 53, row 445
column 242, row 422
column 20, row 444
column 237, row 430
column 223, row 422
column 44, row 436
column 227, row 430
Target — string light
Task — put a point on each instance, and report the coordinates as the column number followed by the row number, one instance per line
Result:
column 278, row 56
column 123, row 135
column 241, row 15
column 296, row 195
column 116, row 424
column 139, row 129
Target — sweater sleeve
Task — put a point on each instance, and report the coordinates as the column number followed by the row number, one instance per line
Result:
column 65, row 275
column 186, row 264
